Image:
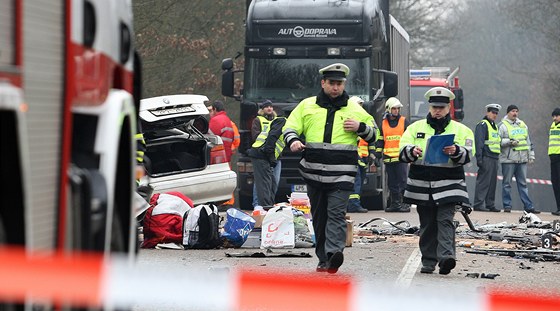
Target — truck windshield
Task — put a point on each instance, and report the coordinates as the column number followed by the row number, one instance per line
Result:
column 418, row 104
column 291, row 80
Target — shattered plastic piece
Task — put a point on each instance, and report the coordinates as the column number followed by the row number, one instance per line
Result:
column 489, row 276
column 473, row 275
column 269, row 253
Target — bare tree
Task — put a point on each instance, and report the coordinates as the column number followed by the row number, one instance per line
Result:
column 432, row 27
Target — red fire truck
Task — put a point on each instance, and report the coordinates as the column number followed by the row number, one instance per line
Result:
column 426, row 78
column 67, row 125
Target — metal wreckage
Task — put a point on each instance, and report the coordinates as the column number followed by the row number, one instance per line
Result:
column 530, row 238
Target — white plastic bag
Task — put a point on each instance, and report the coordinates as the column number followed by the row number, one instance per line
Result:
column 278, row 228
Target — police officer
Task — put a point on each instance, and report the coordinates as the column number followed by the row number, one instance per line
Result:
column 487, row 142
column 331, row 124
column 387, row 147
column 554, row 155
column 436, row 189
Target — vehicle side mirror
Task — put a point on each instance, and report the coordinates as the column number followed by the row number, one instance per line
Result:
column 227, row 64
column 227, row 83
column 391, row 84
column 459, row 114
column 459, row 101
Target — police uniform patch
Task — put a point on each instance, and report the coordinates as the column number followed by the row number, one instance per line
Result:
column 420, row 135
column 468, row 142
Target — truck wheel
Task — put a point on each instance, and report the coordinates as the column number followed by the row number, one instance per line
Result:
column 372, row 202
column 245, row 202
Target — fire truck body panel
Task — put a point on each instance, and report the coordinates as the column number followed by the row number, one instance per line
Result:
column 75, row 123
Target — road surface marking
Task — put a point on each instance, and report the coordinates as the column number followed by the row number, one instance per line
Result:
column 407, row 274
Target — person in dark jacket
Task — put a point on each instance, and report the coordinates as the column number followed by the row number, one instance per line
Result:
column 264, row 154
column 487, row 142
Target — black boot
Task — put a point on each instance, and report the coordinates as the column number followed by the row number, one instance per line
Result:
column 404, row 208
column 395, row 205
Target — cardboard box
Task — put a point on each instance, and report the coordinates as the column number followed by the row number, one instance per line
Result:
column 349, row 232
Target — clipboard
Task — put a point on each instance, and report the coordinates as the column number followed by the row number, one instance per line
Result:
column 434, row 149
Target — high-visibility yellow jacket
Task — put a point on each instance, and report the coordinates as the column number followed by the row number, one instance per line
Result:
column 329, row 158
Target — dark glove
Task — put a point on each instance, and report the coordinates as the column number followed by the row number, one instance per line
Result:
column 377, row 162
column 479, row 163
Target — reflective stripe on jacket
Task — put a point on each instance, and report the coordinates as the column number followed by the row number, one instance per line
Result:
column 493, row 141
column 444, row 184
column 328, row 158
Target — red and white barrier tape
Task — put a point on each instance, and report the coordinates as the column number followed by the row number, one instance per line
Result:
column 91, row 280
column 529, row 180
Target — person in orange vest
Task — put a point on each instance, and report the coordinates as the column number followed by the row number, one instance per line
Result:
column 354, row 203
column 387, row 148
column 236, row 138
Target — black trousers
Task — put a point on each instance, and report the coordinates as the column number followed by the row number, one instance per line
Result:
column 555, row 179
column 328, row 210
column 437, row 232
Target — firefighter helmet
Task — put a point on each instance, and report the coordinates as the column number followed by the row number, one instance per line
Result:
column 391, row 103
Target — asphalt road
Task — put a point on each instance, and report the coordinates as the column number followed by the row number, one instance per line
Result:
column 390, row 261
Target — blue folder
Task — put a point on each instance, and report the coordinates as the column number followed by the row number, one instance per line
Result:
column 434, row 149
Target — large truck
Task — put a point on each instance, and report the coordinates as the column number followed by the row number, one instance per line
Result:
column 286, row 43
column 67, row 126
column 421, row 80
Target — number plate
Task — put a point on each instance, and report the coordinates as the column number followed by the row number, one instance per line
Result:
column 299, row 188
column 176, row 110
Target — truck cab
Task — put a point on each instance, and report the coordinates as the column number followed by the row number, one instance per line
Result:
column 287, row 42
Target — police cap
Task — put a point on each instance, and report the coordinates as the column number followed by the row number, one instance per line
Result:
column 335, row 72
column 439, row 96
column 556, row 112
column 493, row 107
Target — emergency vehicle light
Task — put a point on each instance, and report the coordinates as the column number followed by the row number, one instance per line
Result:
column 420, row 74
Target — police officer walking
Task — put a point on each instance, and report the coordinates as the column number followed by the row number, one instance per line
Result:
column 554, row 155
column 387, row 147
column 331, row 124
column 437, row 188
column 487, row 142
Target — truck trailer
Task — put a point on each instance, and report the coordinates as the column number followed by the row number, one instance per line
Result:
column 67, row 126
column 286, row 43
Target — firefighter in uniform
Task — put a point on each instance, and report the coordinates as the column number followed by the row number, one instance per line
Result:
column 487, row 142
column 354, row 203
column 387, row 148
column 331, row 124
column 436, row 189
column 554, row 155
